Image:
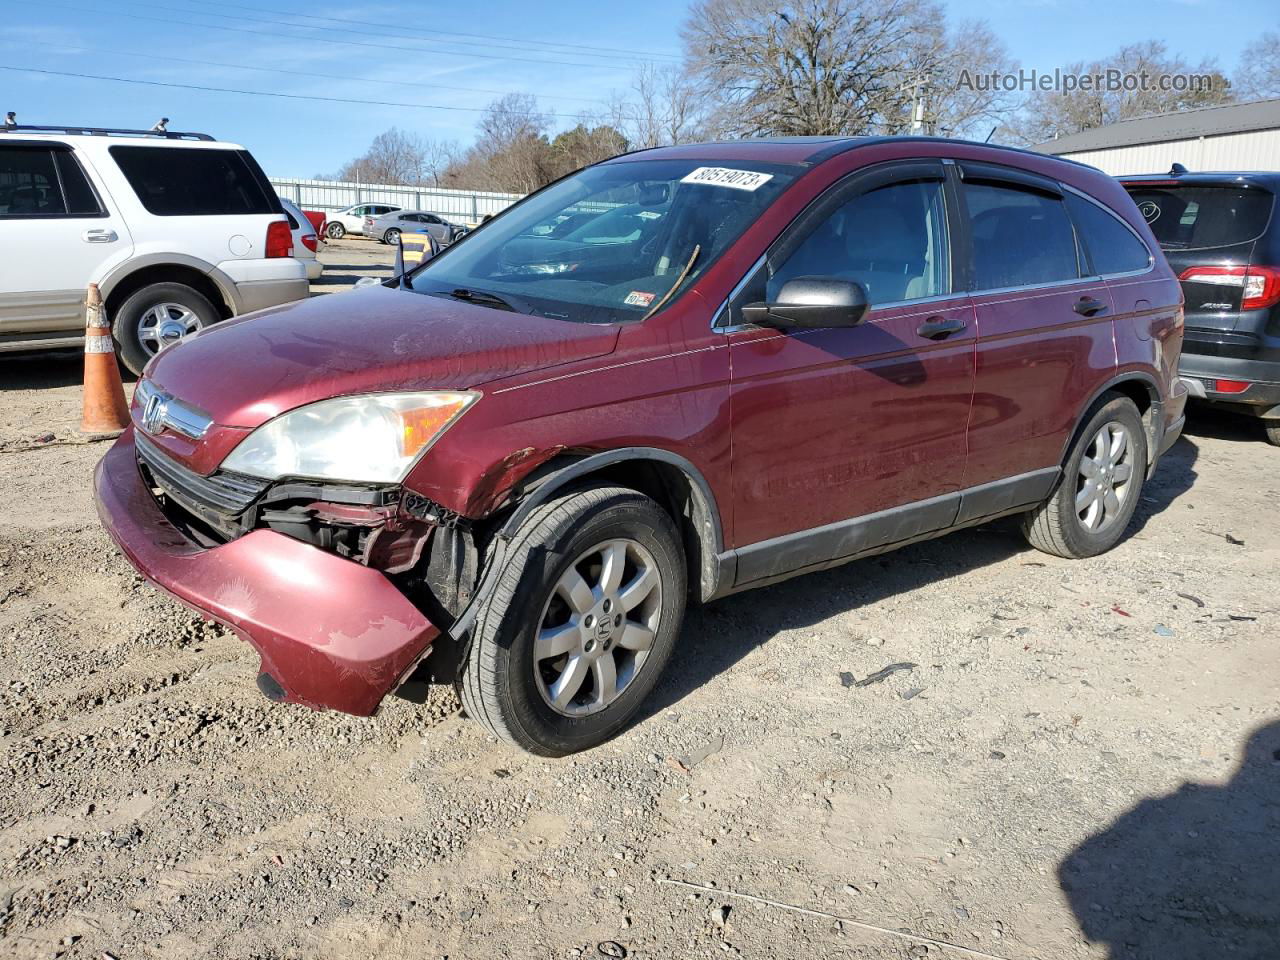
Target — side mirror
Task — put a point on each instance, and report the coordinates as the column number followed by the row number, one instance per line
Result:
column 812, row 302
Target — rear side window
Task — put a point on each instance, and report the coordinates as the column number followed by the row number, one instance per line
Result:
column 1112, row 247
column 1190, row 217
column 44, row 182
column 1020, row 237
column 174, row 182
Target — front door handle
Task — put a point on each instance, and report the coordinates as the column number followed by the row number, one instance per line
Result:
column 1088, row 307
column 939, row 328
column 100, row 236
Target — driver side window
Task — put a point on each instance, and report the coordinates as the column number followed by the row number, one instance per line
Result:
column 892, row 240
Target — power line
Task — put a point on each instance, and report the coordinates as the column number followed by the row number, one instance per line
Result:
column 151, row 56
column 519, row 43
column 349, row 43
column 270, row 93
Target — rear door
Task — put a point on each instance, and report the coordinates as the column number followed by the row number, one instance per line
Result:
column 1044, row 326
column 58, row 232
column 833, row 425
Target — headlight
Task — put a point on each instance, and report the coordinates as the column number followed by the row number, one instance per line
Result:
column 368, row 439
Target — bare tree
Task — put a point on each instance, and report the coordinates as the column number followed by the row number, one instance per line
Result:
column 1060, row 112
column 820, row 67
column 666, row 108
column 939, row 62
column 1259, row 75
column 397, row 156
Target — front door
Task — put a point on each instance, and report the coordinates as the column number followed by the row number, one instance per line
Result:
column 864, row 424
column 56, row 233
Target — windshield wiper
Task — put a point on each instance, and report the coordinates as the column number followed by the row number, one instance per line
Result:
column 514, row 304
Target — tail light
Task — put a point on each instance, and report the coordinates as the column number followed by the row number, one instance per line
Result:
column 309, row 241
column 1259, row 286
column 1230, row 386
column 279, row 239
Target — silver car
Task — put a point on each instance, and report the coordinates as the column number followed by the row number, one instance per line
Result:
column 388, row 228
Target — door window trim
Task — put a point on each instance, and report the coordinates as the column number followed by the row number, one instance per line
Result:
column 814, row 214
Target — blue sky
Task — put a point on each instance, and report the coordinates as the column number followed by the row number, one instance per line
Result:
column 208, row 43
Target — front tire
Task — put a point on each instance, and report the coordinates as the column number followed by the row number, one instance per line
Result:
column 335, row 231
column 1102, row 480
column 158, row 316
column 580, row 624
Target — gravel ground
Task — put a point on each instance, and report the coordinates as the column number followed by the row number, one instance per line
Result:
column 1081, row 762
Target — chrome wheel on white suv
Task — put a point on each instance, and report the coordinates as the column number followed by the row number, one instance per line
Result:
column 156, row 317
column 165, row 324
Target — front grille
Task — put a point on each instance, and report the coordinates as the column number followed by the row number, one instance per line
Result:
column 218, row 500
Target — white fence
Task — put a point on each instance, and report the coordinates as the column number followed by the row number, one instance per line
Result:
column 331, row 195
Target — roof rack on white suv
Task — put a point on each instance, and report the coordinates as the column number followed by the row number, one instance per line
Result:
column 11, row 125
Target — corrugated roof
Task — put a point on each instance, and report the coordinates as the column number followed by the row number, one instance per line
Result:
column 1163, row 127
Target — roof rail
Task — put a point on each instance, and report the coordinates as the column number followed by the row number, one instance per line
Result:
column 8, row 127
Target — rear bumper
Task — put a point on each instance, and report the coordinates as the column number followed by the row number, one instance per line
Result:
column 260, row 294
column 1261, row 398
column 331, row 633
column 314, row 268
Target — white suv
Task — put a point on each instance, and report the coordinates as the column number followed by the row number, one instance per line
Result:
column 351, row 220
column 178, row 230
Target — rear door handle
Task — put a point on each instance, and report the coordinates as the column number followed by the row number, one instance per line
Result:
column 1088, row 307
column 939, row 328
column 100, row 236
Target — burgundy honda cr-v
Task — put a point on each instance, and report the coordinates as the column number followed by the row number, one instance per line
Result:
column 680, row 373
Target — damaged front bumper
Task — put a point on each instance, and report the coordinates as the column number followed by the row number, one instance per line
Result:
column 331, row 632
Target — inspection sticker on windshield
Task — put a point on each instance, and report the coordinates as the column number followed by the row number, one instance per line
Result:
column 638, row 298
column 725, row 177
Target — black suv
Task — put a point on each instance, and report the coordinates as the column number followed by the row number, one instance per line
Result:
column 1222, row 240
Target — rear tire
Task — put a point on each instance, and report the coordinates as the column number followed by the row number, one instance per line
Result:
column 335, row 231
column 158, row 305
column 391, row 237
column 1091, row 507
column 552, row 669
column 1271, row 430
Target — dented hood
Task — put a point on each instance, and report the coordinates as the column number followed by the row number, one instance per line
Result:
column 243, row 372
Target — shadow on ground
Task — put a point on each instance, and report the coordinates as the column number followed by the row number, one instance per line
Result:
column 42, row 370
column 1193, row 875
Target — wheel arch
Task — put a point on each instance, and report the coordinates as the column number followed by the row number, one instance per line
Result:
column 1144, row 391
column 118, row 287
column 671, row 480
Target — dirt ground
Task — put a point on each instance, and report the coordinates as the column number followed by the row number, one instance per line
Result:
column 1082, row 761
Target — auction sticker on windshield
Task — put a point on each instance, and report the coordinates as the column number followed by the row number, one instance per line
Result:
column 726, row 177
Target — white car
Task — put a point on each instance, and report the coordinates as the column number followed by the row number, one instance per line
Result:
column 178, row 230
column 305, row 241
column 351, row 220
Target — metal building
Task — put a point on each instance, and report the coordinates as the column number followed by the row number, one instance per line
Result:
column 1238, row 136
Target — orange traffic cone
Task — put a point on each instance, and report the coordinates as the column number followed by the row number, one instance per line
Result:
column 105, row 412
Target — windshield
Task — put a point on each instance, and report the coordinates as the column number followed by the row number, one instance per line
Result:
column 608, row 243
column 1190, row 217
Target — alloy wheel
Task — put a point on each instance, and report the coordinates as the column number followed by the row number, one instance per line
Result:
column 165, row 324
column 597, row 627
column 1105, row 477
